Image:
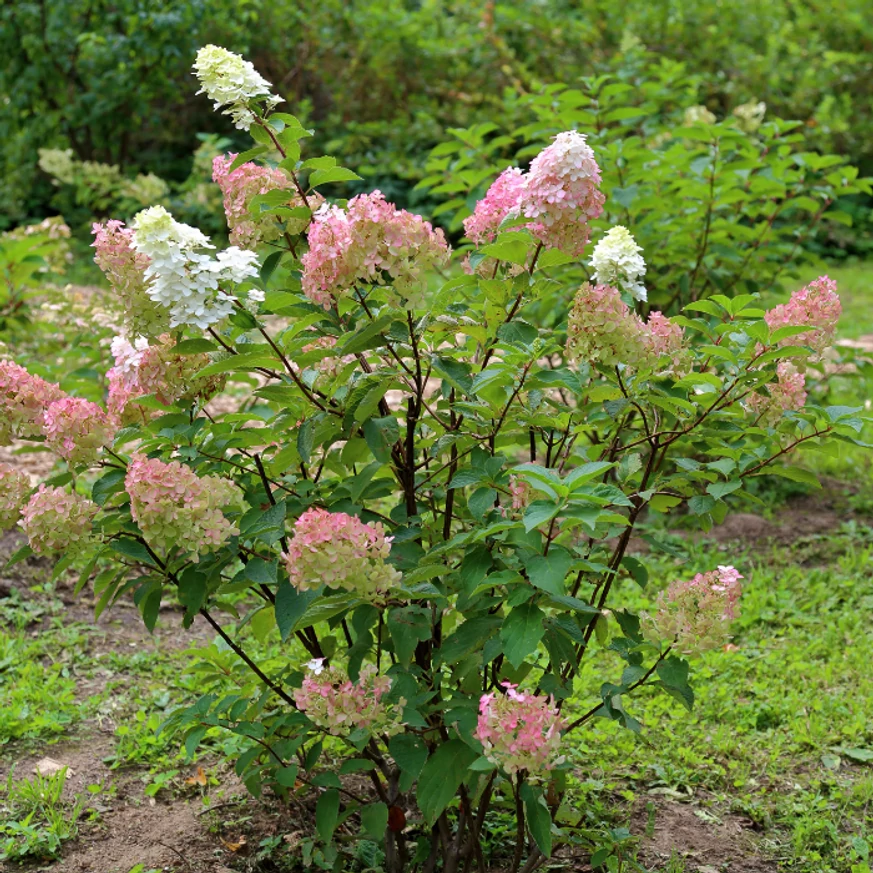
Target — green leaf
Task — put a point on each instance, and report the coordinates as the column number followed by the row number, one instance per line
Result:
column 637, row 569
column 441, row 777
column 480, row 501
column 720, row 490
column 332, row 174
column 196, row 346
column 409, row 753
column 539, row 512
column 673, row 673
column 470, row 635
column 795, row 474
column 511, row 247
column 521, row 632
column 261, row 572
column 327, row 814
column 381, row 434
column 108, row 484
column 132, row 549
column 549, row 572
column 539, row 820
column 374, row 820
column 287, row 776
column 408, row 626
column 291, row 606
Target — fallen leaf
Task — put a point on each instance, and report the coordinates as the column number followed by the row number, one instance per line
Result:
column 48, row 767
column 234, row 846
column 199, row 779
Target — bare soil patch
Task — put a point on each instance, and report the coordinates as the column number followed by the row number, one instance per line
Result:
column 707, row 841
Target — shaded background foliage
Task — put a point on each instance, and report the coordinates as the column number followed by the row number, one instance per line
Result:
column 382, row 81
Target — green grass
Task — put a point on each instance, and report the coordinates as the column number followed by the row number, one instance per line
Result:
column 782, row 729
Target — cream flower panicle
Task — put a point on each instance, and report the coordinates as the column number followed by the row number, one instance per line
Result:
column 616, row 261
column 230, row 81
column 185, row 281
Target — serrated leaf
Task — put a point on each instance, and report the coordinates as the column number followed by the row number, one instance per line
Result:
column 521, row 632
column 441, row 777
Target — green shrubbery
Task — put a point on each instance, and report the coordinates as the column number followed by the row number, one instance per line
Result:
column 384, row 79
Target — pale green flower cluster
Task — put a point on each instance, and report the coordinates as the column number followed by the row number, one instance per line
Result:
column 231, row 81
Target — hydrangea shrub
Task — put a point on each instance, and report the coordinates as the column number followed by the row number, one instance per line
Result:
column 420, row 494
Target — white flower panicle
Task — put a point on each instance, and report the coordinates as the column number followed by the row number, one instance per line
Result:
column 617, row 261
column 185, row 281
column 230, row 80
column 750, row 116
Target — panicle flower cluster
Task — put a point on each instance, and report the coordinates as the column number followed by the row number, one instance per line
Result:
column 57, row 521
column 340, row 551
column 521, row 491
column 125, row 269
column 817, row 306
column 617, row 261
column 666, row 340
column 14, row 490
column 520, row 731
column 750, row 115
column 176, row 508
column 23, row 401
column 333, row 702
column 500, row 201
column 238, row 187
column 230, row 80
column 186, row 282
column 328, row 364
column 155, row 369
column 369, row 238
column 602, row 329
column 697, row 115
column 695, row 615
column 559, row 193
column 76, row 429
column 787, row 393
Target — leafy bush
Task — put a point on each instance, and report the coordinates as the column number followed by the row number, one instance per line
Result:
column 752, row 196
column 384, row 79
column 413, row 482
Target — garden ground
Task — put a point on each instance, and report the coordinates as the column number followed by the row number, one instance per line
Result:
column 772, row 770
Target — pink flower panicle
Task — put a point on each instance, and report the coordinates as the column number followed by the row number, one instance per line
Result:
column 333, row 702
column 23, row 401
column 340, row 551
column 176, row 508
column 57, row 521
column 155, row 369
column 666, row 340
column 818, row 306
column 521, row 491
column 328, row 364
column 520, row 731
column 369, row 239
column 14, row 491
column 561, row 193
column 501, row 199
column 76, row 429
column 602, row 329
column 695, row 615
column 239, row 187
column 125, row 268
column 787, row 394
